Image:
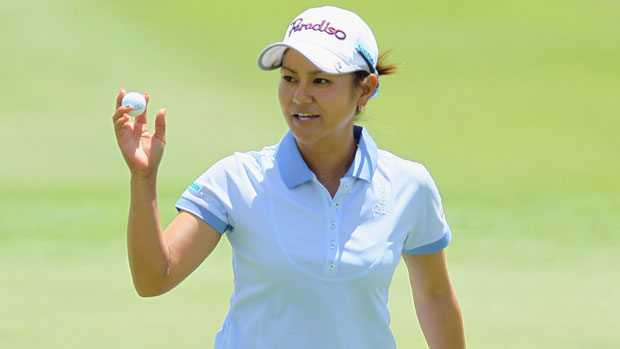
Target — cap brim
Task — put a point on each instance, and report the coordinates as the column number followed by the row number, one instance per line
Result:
column 325, row 60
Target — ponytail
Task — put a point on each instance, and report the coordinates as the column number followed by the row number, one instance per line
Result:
column 384, row 68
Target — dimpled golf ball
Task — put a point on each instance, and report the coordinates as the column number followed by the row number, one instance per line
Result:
column 137, row 101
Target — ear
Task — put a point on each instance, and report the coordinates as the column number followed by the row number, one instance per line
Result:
column 368, row 88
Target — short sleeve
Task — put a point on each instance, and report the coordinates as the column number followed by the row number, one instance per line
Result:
column 429, row 232
column 207, row 197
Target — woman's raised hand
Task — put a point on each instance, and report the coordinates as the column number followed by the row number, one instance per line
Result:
column 142, row 151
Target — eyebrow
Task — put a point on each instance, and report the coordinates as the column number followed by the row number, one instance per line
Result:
column 294, row 72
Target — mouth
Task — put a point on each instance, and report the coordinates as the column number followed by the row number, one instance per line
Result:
column 305, row 116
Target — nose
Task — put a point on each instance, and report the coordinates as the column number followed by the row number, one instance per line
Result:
column 302, row 95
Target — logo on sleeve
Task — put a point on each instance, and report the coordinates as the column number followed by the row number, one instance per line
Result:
column 195, row 187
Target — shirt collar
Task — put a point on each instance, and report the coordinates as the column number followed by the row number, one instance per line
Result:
column 294, row 170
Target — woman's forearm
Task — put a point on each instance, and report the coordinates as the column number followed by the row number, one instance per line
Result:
column 441, row 321
column 147, row 250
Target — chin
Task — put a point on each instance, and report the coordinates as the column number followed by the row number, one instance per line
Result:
column 305, row 136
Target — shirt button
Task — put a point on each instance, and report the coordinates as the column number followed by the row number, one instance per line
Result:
column 346, row 186
column 331, row 266
column 337, row 204
column 333, row 224
column 332, row 244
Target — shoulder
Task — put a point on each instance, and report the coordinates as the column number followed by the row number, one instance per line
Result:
column 255, row 158
column 242, row 164
column 402, row 170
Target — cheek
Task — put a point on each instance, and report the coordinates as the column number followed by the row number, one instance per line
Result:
column 341, row 101
column 283, row 93
column 284, row 97
column 348, row 94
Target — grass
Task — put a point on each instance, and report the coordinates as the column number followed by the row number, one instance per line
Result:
column 512, row 106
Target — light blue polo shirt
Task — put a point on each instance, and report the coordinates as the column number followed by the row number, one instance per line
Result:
column 311, row 271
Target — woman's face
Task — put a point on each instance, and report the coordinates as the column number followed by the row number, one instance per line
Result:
column 319, row 108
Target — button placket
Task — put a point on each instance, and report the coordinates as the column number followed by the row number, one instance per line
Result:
column 331, row 251
column 333, row 221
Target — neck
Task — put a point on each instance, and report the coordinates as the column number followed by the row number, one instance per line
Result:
column 330, row 162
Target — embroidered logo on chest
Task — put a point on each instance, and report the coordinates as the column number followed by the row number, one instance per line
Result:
column 378, row 209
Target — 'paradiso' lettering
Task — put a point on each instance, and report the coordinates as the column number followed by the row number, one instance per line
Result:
column 324, row 27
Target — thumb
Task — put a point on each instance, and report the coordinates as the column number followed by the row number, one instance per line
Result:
column 160, row 125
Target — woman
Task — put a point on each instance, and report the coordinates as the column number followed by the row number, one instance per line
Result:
column 317, row 222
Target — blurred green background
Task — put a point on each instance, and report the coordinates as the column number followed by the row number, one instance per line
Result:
column 513, row 106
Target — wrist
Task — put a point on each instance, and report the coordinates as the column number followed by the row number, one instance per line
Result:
column 143, row 179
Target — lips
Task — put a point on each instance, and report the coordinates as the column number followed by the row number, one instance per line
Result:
column 305, row 116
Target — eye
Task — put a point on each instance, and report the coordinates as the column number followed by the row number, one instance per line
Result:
column 288, row 78
column 321, row 81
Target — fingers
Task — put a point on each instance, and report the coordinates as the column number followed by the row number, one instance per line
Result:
column 120, row 122
column 142, row 117
column 160, row 125
column 120, row 112
column 120, row 96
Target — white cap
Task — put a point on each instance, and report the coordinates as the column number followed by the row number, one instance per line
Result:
column 335, row 40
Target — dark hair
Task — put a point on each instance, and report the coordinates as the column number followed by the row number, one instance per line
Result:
column 382, row 68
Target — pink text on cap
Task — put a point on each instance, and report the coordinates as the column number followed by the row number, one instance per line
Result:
column 298, row 25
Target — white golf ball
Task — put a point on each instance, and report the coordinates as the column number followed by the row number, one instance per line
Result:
column 137, row 101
